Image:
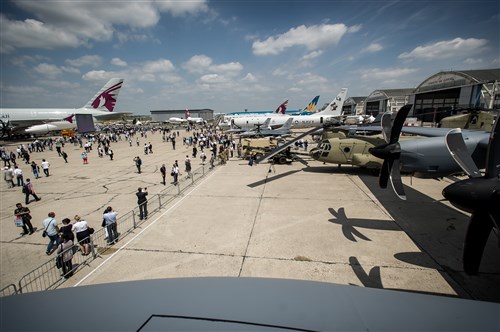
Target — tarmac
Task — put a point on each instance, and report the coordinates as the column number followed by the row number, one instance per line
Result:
column 305, row 220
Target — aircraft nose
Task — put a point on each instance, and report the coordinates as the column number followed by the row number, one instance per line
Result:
column 315, row 153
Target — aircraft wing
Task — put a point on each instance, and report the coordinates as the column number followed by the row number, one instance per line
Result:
column 111, row 116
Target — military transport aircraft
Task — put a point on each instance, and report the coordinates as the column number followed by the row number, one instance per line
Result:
column 479, row 195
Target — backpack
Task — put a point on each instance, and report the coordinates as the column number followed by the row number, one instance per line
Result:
column 25, row 189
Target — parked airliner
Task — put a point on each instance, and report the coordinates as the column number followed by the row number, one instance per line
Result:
column 43, row 120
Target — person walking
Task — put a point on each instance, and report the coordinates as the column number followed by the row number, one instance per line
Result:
column 163, row 171
column 85, row 158
column 109, row 219
column 65, row 156
column 25, row 214
column 142, row 201
column 187, row 164
column 110, row 154
column 19, row 175
column 8, row 175
column 45, row 167
column 138, row 164
column 29, row 190
column 52, row 231
column 35, row 169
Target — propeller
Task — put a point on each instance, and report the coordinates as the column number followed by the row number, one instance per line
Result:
column 479, row 195
column 391, row 151
column 5, row 128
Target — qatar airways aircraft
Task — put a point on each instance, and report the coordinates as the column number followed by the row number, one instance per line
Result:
column 44, row 120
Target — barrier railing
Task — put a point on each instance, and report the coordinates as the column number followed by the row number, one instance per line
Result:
column 48, row 276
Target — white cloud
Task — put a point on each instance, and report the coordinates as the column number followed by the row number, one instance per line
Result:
column 446, row 49
column 118, row 62
column 202, row 64
column 48, row 70
column 70, row 70
column 313, row 37
column 471, row 61
column 250, row 78
column 373, row 47
column 99, row 75
column 62, row 24
column 179, row 8
column 386, row 74
column 312, row 55
column 86, row 60
column 309, row 78
column 198, row 64
column 33, row 34
column 158, row 66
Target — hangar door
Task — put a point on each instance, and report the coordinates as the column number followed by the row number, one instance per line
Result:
column 433, row 106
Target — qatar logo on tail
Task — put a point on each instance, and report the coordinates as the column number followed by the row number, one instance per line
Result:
column 282, row 108
column 187, row 114
column 107, row 98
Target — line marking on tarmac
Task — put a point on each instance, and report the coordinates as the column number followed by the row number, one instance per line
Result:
column 145, row 228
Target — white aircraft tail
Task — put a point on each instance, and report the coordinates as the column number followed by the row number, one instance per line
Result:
column 335, row 107
column 105, row 99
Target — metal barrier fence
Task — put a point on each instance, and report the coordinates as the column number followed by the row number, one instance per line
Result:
column 49, row 276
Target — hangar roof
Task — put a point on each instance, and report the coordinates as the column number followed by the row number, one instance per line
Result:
column 388, row 93
column 455, row 79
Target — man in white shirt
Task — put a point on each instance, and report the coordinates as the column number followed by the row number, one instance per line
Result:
column 45, row 165
column 52, row 230
column 19, row 176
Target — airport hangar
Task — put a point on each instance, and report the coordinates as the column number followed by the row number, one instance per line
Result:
column 163, row 115
column 442, row 94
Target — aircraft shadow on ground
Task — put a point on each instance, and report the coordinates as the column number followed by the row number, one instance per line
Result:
column 414, row 226
column 272, row 178
column 373, row 279
column 349, row 225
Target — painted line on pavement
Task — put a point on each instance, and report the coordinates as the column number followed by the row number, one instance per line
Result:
column 151, row 224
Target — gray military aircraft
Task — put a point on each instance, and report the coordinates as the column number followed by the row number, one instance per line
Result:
column 282, row 131
column 468, row 150
column 427, row 157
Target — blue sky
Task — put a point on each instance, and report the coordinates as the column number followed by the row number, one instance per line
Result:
column 234, row 55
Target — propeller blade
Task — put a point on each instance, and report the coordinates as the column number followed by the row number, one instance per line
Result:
column 493, row 156
column 397, row 184
column 479, row 229
column 384, row 173
column 399, row 121
column 386, row 123
column 458, row 150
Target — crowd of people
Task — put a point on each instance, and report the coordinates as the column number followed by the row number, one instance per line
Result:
column 76, row 233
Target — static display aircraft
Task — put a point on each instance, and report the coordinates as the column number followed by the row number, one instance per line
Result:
column 334, row 109
column 427, row 157
column 42, row 120
column 192, row 119
column 283, row 131
column 479, row 195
